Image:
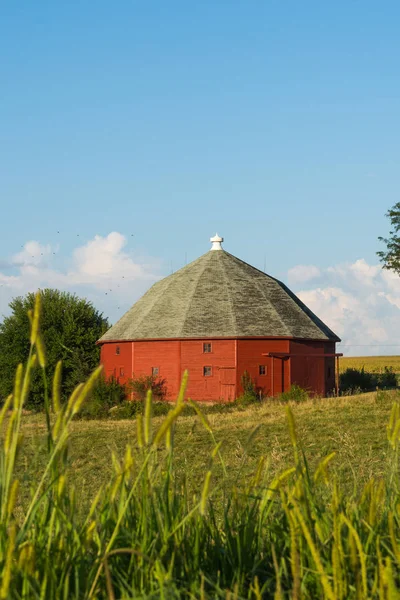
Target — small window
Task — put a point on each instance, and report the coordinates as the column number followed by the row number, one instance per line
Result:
column 262, row 370
column 117, row 350
column 121, row 372
column 155, row 371
column 207, row 348
column 329, row 371
column 207, row 371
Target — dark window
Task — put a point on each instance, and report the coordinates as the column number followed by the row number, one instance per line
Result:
column 262, row 370
column 117, row 350
column 329, row 371
column 206, row 348
column 121, row 371
column 207, row 371
column 155, row 371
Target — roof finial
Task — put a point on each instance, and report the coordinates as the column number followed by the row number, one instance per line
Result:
column 216, row 242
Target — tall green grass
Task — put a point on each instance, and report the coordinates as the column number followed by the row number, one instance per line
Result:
column 145, row 536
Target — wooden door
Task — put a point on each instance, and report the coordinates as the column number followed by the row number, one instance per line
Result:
column 227, row 380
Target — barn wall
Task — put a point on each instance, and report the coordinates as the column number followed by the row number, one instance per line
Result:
column 228, row 359
column 221, row 383
column 250, row 357
column 314, row 374
column 118, row 365
column 164, row 354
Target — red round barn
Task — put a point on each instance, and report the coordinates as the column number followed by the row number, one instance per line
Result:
column 219, row 317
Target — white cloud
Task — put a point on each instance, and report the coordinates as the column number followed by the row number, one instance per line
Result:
column 101, row 270
column 302, row 273
column 361, row 303
column 362, row 270
column 103, row 261
column 33, row 254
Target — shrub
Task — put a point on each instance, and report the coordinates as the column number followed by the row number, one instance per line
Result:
column 295, row 394
column 126, row 410
column 106, row 394
column 248, row 386
column 351, row 379
column 250, row 393
column 354, row 381
column 139, row 387
column 387, row 379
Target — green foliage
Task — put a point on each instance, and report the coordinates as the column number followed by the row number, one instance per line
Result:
column 391, row 256
column 358, row 380
column 106, row 394
column 295, row 394
column 250, row 393
column 387, row 379
column 140, row 385
column 70, row 328
column 248, row 385
column 293, row 536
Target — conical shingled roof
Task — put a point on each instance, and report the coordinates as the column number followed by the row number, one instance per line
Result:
column 218, row 295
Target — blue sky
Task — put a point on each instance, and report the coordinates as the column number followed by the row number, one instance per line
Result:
column 274, row 123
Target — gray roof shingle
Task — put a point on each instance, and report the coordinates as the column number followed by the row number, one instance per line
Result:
column 218, row 295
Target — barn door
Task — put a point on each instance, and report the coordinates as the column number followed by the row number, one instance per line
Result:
column 227, row 380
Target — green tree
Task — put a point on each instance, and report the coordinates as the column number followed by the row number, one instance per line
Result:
column 391, row 256
column 70, row 327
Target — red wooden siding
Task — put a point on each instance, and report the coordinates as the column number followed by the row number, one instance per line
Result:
column 228, row 360
column 250, row 357
column 118, row 365
column 162, row 354
column 316, row 374
column 221, row 383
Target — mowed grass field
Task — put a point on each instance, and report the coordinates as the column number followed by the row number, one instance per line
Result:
column 354, row 427
column 372, row 364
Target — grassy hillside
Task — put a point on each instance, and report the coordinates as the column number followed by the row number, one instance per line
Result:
column 373, row 364
column 353, row 427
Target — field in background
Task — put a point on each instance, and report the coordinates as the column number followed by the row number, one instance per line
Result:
column 372, row 364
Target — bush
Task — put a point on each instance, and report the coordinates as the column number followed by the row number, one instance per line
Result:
column 139, row 387
column 126, row 410
column 353, row 381
column 295, row 394
column 250, row 393
column 387, row 379
column 106, row 394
